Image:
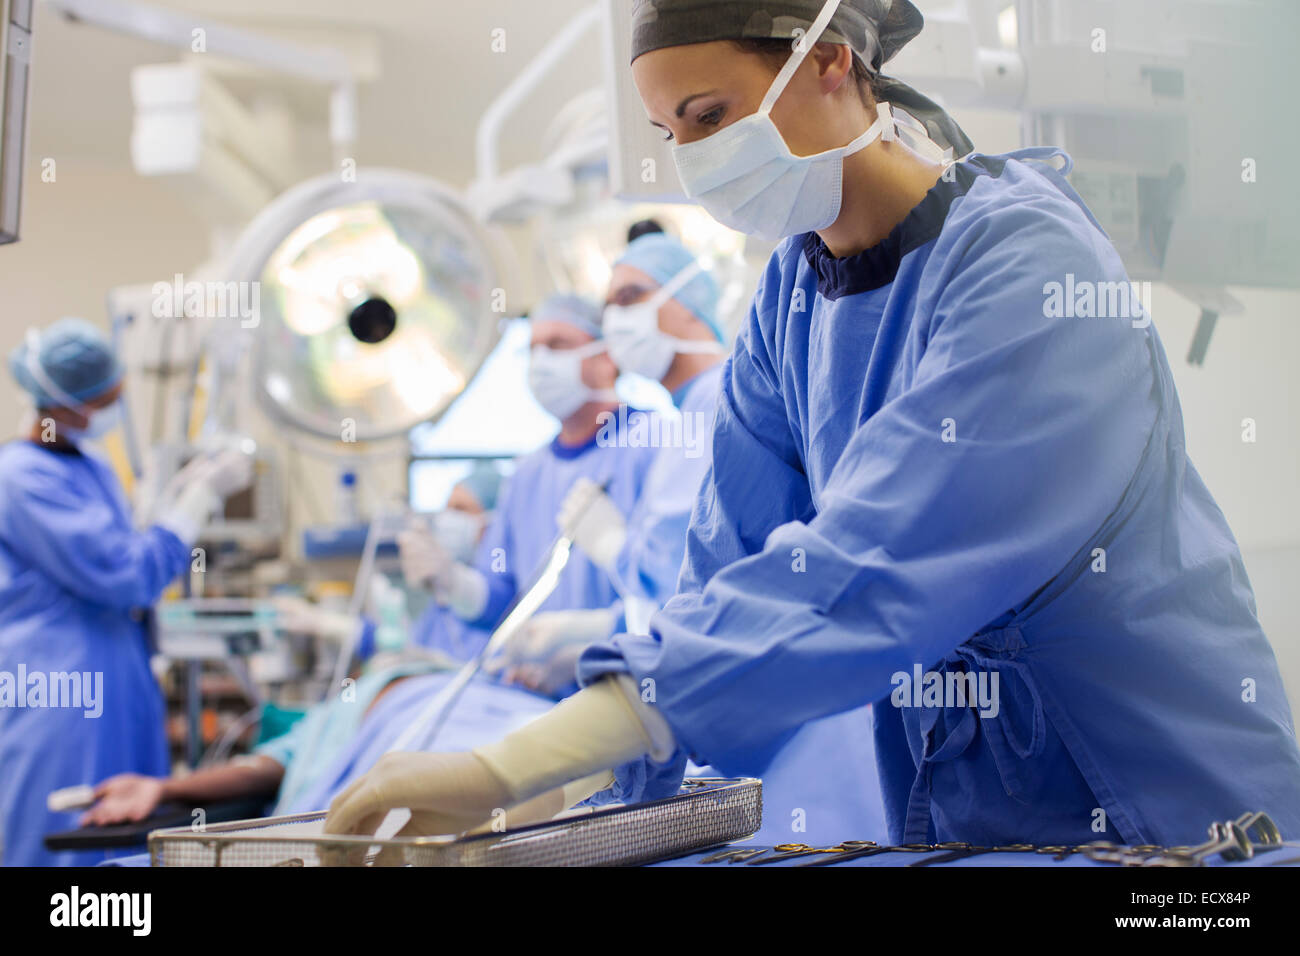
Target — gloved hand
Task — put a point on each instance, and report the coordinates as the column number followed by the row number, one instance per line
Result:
column 445, row 792
column 224, row 469
column 227, row 471
column 463, row 590
column 591, row 519
column 549, row 676
column 422, row 558
column 544, row 636
column 125, row 798
column 602, row 726
column 427, row 564
column 199, row 488
column 297, row 614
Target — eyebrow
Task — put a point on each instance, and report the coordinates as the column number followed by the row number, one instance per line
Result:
column 681, row 107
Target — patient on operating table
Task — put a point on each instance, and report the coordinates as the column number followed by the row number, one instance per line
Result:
column 341, row 738
column 334, row 742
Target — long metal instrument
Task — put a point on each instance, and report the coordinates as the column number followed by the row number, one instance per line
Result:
column 422, row 732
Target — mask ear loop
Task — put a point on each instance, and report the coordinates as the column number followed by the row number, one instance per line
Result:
column 675, row 284
column 580, row 355
column 916, row 137
column 801, row 48
column 666, row 292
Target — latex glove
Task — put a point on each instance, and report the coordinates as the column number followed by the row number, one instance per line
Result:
column 422, row 558
column 447, row 793
column 224, row 470
column 544, row 634
column 427, row 564
column 590, row 517
column 228, row 471
column 198, row 489
column 187, row 513
column 125, row 798
column 297, row 614
column 550, row 676
column 463, row 590
column 603, row 726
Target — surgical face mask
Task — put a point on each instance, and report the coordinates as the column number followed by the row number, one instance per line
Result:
column 555, row 378
column 746, row 178
column 99, row 421
column 458, row 532
column 637, row 344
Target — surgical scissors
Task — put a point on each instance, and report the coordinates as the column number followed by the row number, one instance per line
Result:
column 788, row 851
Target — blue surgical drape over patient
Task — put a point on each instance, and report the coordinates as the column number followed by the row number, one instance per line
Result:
column 75, row 579
column 919, row 462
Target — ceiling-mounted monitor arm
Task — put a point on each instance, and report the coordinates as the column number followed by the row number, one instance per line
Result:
column 15, row 78
column 494, row 117
column 178, row 30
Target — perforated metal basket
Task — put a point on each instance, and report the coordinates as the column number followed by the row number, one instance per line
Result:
column 706, row 812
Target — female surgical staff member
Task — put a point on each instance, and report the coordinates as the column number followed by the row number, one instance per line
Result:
column 924, row 482
column 78, row 702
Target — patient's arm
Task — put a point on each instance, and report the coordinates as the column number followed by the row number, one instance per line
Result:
column 129, row 797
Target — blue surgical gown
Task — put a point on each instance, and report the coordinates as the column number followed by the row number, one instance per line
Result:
column 524, row 527
column 917, row 464
column 75, row 578
column 651, row 557
column 438, row 629
column 822, row 785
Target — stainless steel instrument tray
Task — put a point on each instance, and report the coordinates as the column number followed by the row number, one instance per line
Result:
column 706, row 812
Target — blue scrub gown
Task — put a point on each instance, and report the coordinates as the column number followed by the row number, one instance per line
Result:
column 523, row 528
column 74, row 580
column 651, row 558
column 921, row 462
column 822, row 785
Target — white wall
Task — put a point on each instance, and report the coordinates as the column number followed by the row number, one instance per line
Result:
column 1249, row 373
column 96, row 226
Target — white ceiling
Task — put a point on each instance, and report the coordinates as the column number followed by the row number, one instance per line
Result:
column 438, row 74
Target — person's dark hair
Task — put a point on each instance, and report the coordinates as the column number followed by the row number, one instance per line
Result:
column 643, row 227
column 777, row 50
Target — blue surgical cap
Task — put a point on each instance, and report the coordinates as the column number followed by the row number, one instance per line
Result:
column 573, row 309
column 661, row 257
column 484, row 483
column 75, row 355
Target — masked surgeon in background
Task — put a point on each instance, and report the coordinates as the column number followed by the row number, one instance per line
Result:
column 660, row 322
column 918, row 472
column 458, row 528
column 572, row 377
column 76, row 584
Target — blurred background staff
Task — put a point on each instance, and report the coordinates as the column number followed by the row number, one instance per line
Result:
column 572, row 376
column 76, row 583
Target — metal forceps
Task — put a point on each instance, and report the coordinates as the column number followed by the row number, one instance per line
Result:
column 788, row 851
column 960, row 851
column 734, row 854
column 869, row 848
column 1234, row 841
